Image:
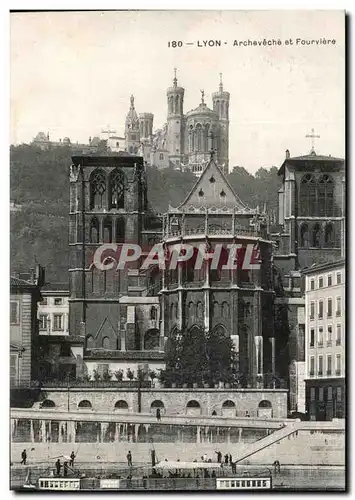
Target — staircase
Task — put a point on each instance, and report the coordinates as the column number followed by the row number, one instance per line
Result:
column 263, row 443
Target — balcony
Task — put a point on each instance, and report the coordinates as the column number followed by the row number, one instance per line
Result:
column 311, row 373
column 338, row 313
column 329, row 343
column 213, row 232
column 338, row 342
column 311, row 345
column 337, row 372
column 320, row 343
column 320, row 373
column 329, row 372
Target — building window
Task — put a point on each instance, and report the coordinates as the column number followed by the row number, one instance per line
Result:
column 316, row 236
column 304, row 235
column 329, row 280
column 329, row 365
column 320, row 394
column 161, row 156
column 338, row 394
column 312, row 310
column 320, row 309
column 311, row 342
column 330, row 393
column 308, row 195
column 338, row 278
column 320, row 282
column 338, row 364
column 312, row 284
column 58, row 301
column 338, row 339
column 313, row 393
column 117, row 187
column 330, row 335
column 311, row 366
column 97, row 189
column 320, row 365
column 320, row 336
column 14, row 313
column 43, row 318
column 325, row 196
column 329, row 311
column 94, row 230
column 153, row 313
column 44, row 301
column 338, row 311
column 13, row 368
column 58, row 322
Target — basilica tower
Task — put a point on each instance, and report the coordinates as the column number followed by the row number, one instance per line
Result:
column 221, row 106
column 132, row 135
column 175, row 122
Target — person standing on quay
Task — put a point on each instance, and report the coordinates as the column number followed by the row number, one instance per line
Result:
column 24, row 457
column 158, row 415
column 72, row 458
column 129, row 459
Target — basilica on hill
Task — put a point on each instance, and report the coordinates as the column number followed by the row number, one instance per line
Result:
column 186, row 139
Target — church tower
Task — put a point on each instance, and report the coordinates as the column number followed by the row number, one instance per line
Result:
column 175, row 135
column 132, row 135
column 221, row 106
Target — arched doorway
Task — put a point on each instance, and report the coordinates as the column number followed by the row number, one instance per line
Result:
column 265, row 409
column 228, row 409
column 121, row 406
column 193, row 408
column 84, row 404
column 155, row 405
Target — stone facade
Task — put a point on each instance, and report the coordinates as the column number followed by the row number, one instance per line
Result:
column 176, row 401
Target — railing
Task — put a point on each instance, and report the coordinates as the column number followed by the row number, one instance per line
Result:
column 337, row 372
column 213, row 232
column 338, row 342
column 85, row 384
column 116, row 354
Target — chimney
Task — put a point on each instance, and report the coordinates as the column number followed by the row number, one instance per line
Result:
column 287, row 154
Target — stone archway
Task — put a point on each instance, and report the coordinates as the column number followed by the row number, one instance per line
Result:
column 121, row 406
column 265, row 409
column 193, row 408
column 228, row 408
column 84, row 404
column 47, row 403
column 155, row 405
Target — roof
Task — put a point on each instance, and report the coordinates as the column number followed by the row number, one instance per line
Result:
column 204, row 184
column 187, row 465
column 311, row 157
column 122, row 159
column 54, row 287
column 18, row 283
column 325, row 266
column 202, row 108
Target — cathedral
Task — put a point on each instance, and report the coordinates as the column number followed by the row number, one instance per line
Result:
column 186, row 139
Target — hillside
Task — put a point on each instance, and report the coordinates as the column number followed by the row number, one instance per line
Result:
column 39, row 182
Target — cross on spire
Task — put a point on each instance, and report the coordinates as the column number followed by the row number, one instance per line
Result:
column 312, row 136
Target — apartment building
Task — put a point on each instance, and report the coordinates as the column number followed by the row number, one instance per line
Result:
column 325, row 337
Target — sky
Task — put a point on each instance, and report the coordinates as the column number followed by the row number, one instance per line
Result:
column 72, row 74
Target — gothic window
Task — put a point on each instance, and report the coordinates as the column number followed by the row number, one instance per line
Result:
column 97, row 189
column 107, row 231
column 90, row 342
column 199, row 137
column 199, row 310
column 225, row 310
column 329, row 235
column 94, row 230
column 201, row 193
column 215, row 309
column 325, row 195
column 116, row 189
column 220, row 331
column 106, row 343
column 304, row 236
column 207, row 131
column 316, row 236
column 131, row 149
column 161, row 156
column 307, row 205
column 153, row 313
column 120, row 230
column 176, row 104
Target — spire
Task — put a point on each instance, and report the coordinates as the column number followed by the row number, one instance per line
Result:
column 175, row 79
column 220, row 83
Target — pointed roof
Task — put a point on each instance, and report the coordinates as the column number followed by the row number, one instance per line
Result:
column 212, row 189
column 132, row 120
